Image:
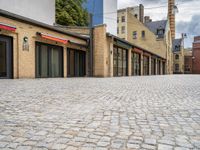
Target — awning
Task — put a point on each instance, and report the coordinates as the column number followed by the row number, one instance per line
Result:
column 53, row 38
column 7, row 27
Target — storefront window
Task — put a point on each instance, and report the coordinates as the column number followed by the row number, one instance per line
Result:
column 120, row 62
column 146, row 65
column 49, row 61
column 135, row 64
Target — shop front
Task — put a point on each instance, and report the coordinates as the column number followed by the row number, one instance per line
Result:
column 31, row 49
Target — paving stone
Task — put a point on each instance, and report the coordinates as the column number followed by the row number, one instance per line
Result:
column 164, row 147
column 133, row 146
column 24, row 148
column 101, row 113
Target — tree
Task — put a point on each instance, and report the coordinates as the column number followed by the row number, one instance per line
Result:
column 71, row 13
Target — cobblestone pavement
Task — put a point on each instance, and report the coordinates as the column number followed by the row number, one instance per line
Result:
column 158, row 112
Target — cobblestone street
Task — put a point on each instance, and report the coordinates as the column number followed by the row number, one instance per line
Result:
column 153, row 112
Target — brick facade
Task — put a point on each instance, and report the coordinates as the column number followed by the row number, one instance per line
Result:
column 196, row 55
column 24, row 61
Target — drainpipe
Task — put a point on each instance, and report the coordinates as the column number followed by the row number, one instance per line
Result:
column 91, row 47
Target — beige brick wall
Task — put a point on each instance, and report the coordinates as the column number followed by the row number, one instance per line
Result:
column 24, row 61
column 160, row 47
column 101, row 47
column 179, row 61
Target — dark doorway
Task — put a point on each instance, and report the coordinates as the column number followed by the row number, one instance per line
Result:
column 6, row 57
column 153, row 66
column 159, row 67
column 163, row 68
column 120, row 63
column 76, row 63
column 49, row 61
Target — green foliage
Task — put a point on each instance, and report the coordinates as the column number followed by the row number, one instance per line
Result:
column 71, row 13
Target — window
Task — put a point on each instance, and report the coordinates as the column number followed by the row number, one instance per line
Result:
column 123, row 29
column 143, row 34
column 176, row 67
column 120, row 61
column 177, row 48
column 134, row 34
column 160, row 33
column 117, row 19
column 49, row 61
column 123, row 18
column 176, row 56
column 117, row 30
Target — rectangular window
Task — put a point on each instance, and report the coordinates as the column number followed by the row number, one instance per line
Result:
column 117, row 30
column 123, row 19
column 160, row 33
column 120, row 62
column 136, row 64
column 117, row 19
column 143, row 34
column 123, row 30
column 134, row 34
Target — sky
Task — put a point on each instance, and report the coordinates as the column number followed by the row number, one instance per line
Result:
column 187, row 19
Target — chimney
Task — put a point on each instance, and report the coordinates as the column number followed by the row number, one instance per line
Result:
column 141, row 9
column 147, row 19
column 171, row 17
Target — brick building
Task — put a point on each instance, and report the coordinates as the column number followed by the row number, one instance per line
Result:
column 178, row 56
column 31, row 49
column 154, row 37
column 196, row 55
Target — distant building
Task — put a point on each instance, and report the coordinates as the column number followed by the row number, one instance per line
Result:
column 196, row 55
column 104, row 12
column 188, row 61
column 39, row 10
column 154, row 37
column 178, row 56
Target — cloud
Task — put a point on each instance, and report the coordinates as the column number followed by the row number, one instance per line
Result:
column 191, row 28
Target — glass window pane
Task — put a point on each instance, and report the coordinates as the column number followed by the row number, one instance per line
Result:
column 55, row 63
column 44, row 61
column 115, row 65
column 120, row 62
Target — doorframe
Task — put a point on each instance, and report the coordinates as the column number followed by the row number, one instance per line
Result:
column 9, row 55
